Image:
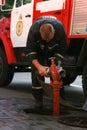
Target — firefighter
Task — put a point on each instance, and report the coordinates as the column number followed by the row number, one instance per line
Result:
column 46, row 38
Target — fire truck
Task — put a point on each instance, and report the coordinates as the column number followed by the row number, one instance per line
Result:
column 14, row 30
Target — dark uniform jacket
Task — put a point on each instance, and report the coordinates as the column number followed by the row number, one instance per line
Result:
column 38, row 47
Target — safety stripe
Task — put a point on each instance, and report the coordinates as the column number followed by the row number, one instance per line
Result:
column 31, row 53
column 50, row 48
column 57, row 54
column 40, row 87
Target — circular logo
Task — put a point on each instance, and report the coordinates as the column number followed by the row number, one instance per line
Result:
column 19, row 28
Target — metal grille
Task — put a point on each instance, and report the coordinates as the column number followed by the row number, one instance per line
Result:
column 79, row 18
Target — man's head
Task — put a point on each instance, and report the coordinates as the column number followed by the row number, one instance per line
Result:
column 47, row 32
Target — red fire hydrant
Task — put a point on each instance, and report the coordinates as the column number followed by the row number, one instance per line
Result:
column 56, row 84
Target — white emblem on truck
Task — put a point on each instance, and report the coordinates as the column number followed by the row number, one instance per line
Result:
column 19, row 26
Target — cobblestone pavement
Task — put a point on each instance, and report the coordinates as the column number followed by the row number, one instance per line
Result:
column 12, row 116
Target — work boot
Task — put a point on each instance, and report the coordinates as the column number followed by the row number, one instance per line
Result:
column 38, row 108
column 39, row 105
column 38, row 95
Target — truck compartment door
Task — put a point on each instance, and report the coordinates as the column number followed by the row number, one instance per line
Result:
column 79, row 18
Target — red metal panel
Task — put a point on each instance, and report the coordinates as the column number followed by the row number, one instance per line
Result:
column 5, row 37
column 2, row 2
column 56, row 13
column 8, row 49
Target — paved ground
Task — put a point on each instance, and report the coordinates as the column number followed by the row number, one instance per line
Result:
column 12, row 117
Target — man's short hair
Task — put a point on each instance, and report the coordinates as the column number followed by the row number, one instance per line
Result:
column 46, row 29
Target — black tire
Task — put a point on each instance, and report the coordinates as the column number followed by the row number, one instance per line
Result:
column 84, row 80
column 6, row 70
column 70, row 78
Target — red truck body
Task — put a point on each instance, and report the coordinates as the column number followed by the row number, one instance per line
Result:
column 14, row 29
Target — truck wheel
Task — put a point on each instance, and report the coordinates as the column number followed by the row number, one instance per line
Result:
column 6, row 70
column 69, row 79
column 84, row 80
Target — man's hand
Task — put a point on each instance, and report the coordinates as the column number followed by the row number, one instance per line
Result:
column 42, row 70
